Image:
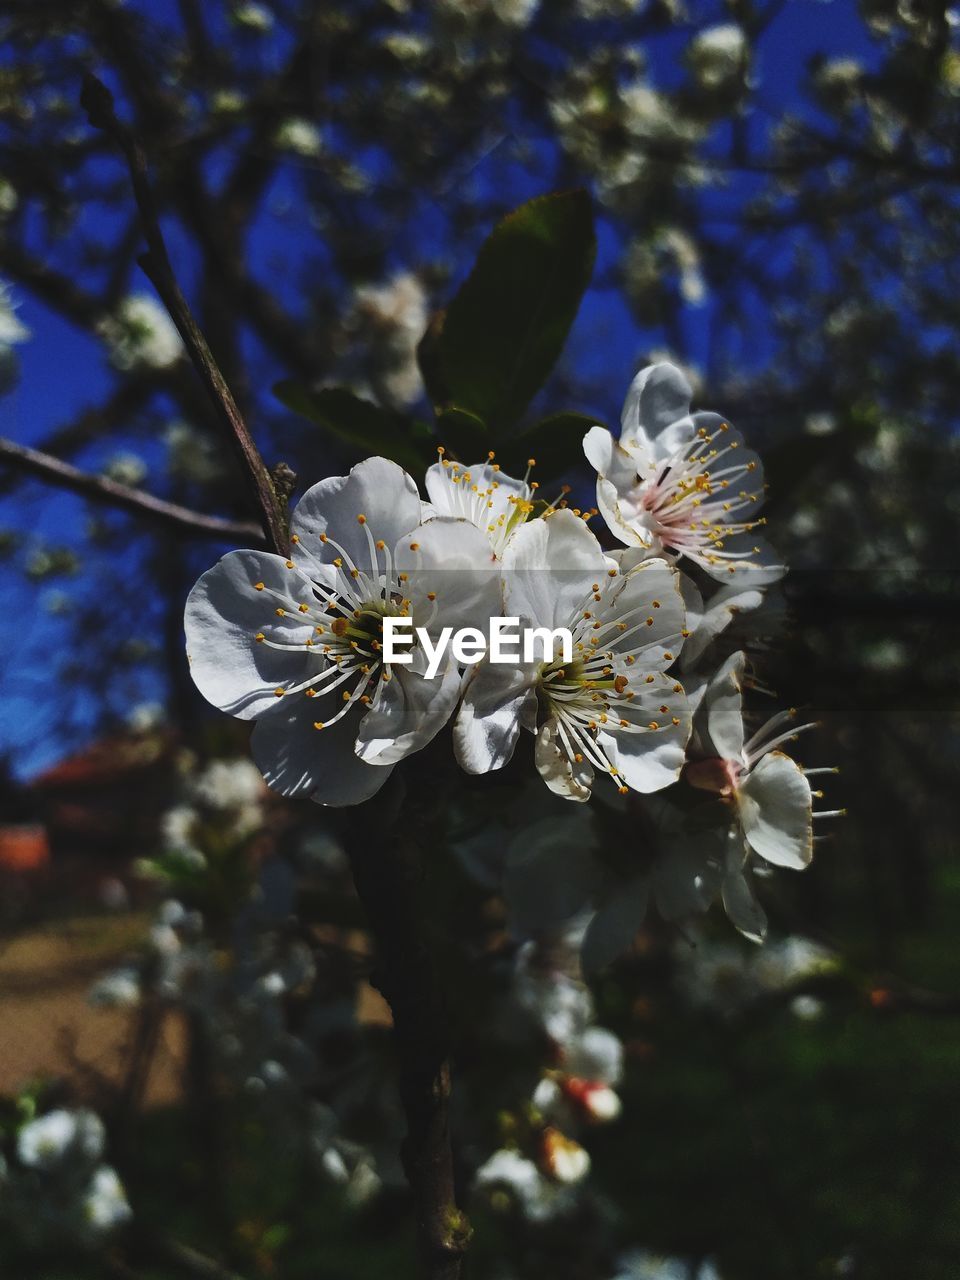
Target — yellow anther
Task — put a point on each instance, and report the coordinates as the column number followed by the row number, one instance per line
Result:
column 414, row 546
column 278, row 693
column 289, row 564
column 294, row 538
column 653, row 725
column 281, row 613
column 258, row 586
column 361, row 519
column 431, row 595
column 318, row 724
column 259, row 636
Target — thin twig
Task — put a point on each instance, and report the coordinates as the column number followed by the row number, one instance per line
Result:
column 97, row 100
column 101, row 489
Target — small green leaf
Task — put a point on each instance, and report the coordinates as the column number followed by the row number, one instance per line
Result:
column 369, row 428
column 492, row 349
column 555, row 442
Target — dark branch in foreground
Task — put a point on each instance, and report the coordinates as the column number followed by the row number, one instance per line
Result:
column 97, row 101
column 101, row 489
column 385, row 871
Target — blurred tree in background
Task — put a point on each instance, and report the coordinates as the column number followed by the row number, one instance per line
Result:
column 775, row 194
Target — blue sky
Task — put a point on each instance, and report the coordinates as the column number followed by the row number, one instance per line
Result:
column 63, row 370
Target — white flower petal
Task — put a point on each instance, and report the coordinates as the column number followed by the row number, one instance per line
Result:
column 408, row 711
column 298, row 760
column 563, row 776
column 776, row 811
column 720, row 716
column 498, row 701
column 707, row 619
column 658, row 399
column 548, row 568
column 377, row 489
column 739, row 900
column 649, row 758
column 224, row 613
column 452, row 562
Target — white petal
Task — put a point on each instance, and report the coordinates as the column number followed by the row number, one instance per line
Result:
column 609, row 459
column 548, row 569
column 739, row 900
column 720, row 717
column 562, row 775
column 408, row 711
column 223, row 615
column 454, row 563
column 498, row 700
column 649, row 759
column 377, row 489
column 706, row 620
column 760, row 567
column 298, row 760
column 776, row 811
column 659, row 397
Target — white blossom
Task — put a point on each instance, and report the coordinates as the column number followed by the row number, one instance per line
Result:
column 299, row 136
column 393, row 316
column 105, row 1204
column 719, row 55
column 613, row 707
column 681, row 483
column 295, row 644
column 481, row 493
column 43, row 1143
column 538, row 1197
column 117, row 990
column 139, row 333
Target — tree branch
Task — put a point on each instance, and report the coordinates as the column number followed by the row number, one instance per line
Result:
column 101, row 489
column 385, row 871
column 98, row 103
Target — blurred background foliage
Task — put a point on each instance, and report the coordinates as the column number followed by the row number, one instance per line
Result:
column 774, row 193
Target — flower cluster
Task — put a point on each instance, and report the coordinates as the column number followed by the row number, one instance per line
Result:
column 55, row 1184
column 538, row 1169
column 302, row 644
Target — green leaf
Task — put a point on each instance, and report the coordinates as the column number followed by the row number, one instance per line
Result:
column 357, row 422
column 555, row 442
column 492, row 349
